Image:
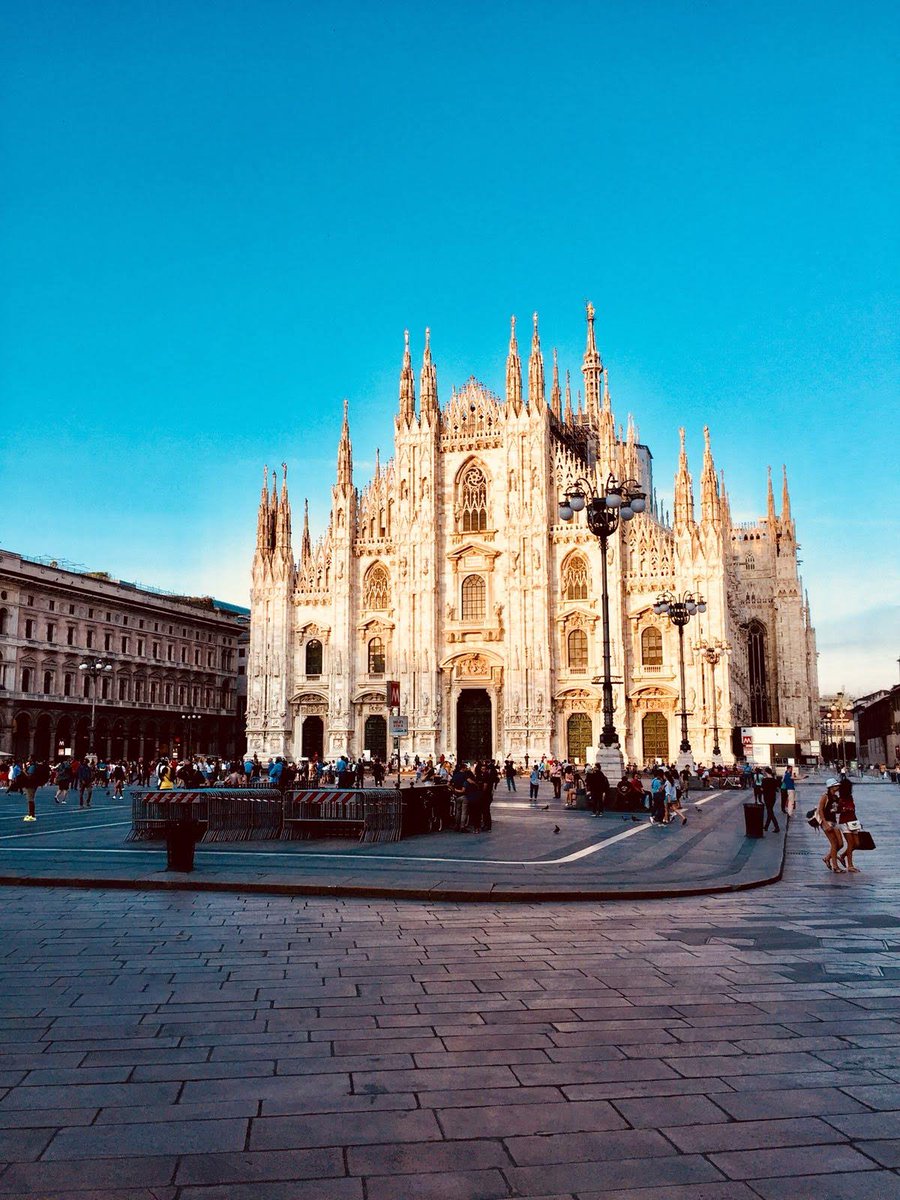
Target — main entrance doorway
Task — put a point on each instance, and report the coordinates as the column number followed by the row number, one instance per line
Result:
column 375, row 737
column 655, row 736
column 312, row 737
column 474, row 739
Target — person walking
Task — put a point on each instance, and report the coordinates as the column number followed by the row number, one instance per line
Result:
column 556, row 779
column 673, row 799
column 848, row 823
column 118, row 778
column 769, row 795
column 30, row 783
column 597, row 786
column 534, row 781
column 85, row 784
column 827, row 816
column 788, row 787
column 757, row 779
column 63, row 782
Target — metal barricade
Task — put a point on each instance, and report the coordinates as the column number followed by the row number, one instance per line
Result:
column 243, row 815
column 151, row 812
column 370, row 814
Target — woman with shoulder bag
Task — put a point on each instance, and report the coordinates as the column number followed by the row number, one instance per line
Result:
column 827, row 814
column 848, row 823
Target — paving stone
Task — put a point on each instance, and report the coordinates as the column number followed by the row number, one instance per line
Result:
column 38, row 1178
column 675, row 1110
column 312, row 1189
column 749, row 1135
column 587, row 1147
column 413, row 1158
column 790, row 1160
column 604, row 1176
column 725, row 1190
column 451, row 1185
column 282, row 1133
column 522, row 1119
column 249, row 1167
column 862, row 1126
column 799, row 1102
column 868, row 1185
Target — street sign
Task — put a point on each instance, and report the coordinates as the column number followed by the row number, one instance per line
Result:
column 399, row 725
column 392, row 693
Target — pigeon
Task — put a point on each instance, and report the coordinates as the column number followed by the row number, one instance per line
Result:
column 698, row 810
column 556, row 829
column 545, row 808
column 636, row 819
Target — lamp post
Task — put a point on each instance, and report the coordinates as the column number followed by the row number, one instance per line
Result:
column 679, row 610
column 617, row 500
column 838, row 715
column 188, row 725
column 94, row 669
column 713, row 653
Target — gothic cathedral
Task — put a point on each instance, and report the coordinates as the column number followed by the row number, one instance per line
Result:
column 452, row 573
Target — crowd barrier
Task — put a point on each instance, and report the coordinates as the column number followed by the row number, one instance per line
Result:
column 256, row 814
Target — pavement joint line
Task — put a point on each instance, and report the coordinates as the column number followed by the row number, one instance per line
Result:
column 7, row 837
column 262, row 855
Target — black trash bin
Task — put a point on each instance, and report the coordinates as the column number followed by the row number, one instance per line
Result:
column 753, row 820
column 181, row 837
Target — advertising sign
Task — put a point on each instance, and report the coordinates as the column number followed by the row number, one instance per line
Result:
column 399, row 725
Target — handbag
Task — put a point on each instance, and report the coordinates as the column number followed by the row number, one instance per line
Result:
column 864, row 840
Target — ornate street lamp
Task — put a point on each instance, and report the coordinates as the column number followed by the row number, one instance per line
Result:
column 188, row 725
column 617, row 500
column 94, row 669
column 838, row 715
column 679, row 610
column 713, row 653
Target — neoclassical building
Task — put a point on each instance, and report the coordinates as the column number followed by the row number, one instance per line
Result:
column 451, row 572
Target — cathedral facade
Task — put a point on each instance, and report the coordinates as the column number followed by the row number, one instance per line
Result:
column 452, row 572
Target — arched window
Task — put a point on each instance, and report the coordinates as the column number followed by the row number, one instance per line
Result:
column 473, row 500
column 759, row 684
column 376, row 656
column 577, row 645
column 651, row 647
column 473, row 598
column 48, row 682
column 377, row 589
column 314, row 657
column 576, row 578
column 26, row 679
column 4, row 620
column 750, row 562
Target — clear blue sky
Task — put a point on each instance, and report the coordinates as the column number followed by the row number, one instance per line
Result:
column 217, row 218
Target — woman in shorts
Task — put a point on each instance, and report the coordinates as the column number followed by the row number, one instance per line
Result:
column 848, row 823
column 827, row 815
column 63, row 782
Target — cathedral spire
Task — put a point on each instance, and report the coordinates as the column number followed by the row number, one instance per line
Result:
column 684, row 490
column 428, row 389
column 570, row 416
column 283, row 521
column 513, row 371
column 345, row 454
column 263, row 542
column 785, row 499
column 537, row 397
column 724, row 504
column 306, row 544
column 607, row 403
column 709, row 485
column 407, row 386
column 770, row 502
column 555, row 396
column 592, row 367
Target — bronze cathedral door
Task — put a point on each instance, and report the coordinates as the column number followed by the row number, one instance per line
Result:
column 474, row 739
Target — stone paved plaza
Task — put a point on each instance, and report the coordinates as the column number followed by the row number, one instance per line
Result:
column 182, row 1046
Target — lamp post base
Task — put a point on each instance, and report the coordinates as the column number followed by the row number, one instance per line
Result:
column 718, row 760
column 685, row 759
column 611, row 762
